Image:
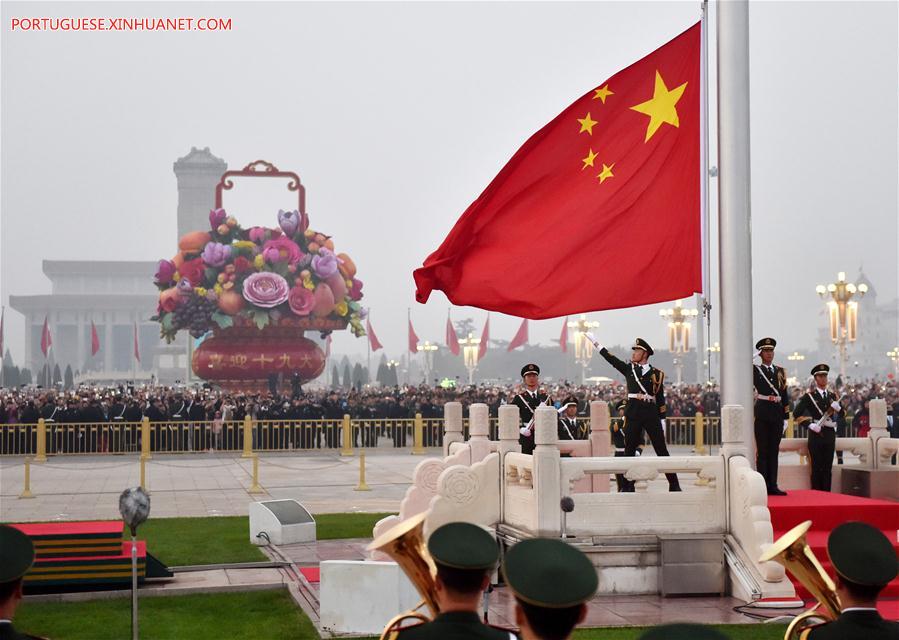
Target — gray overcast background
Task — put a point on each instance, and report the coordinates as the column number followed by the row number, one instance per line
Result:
column 396, row 116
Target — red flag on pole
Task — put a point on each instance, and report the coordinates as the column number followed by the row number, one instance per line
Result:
column 46, row 340
column 452, row 340
column 485, row 338
column 563, row 337
column 136, row 350
column 521, row 337
column 95, row 340
column 372, row 338
column 413, row 339
column 618, row 169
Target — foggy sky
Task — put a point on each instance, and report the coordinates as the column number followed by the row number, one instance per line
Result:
column 396, row 116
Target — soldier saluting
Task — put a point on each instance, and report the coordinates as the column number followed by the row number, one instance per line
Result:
column 645, row 402
column 772, row 406
column 527, row 402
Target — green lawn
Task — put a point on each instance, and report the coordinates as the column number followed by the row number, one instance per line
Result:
column 236, row 616
column 333, row 526
column 733, row 631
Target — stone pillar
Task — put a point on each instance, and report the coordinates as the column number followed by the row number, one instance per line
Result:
column 600, row 441
column 197, row 173
column 732, row 428
column 479, row 431
column 452, row 425
column 546, row 476
column 878, row 422
column 509, row 419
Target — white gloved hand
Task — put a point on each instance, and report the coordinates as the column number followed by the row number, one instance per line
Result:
column 836, row 406
column 663, row 426
column 786, row 424
column 525, row 432
column 815, row 427
column 593, row 339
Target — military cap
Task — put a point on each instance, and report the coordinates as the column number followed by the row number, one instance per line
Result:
column 530, row 368
column 549, row 573
column 570, row 400
column 820, row 368
column 16, row 553
column 640, row 343
column 683, row 631
column 765, row 343
column 862, row 554
column 462, row 545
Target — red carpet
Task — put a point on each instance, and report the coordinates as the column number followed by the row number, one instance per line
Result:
column 312, row 574
column 826, row 511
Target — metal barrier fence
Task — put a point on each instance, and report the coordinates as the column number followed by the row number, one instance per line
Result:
column 250, row 435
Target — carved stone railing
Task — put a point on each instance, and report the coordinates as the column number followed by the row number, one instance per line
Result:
column 467, row 494
column 887, row 450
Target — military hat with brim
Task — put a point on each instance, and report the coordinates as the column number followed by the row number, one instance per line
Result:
column 462, row 545
column 569, row 401
column 683, row 631
column 530, row 368
column 820, row 368
column 765, row 343
column 862, row 554
column 16, row 553
column 640, row 343
column 549, row 573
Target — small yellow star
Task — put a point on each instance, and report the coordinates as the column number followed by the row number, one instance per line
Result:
column 606, row 173
column 661, row 108
column 588, row 161
column 602, row 93
column 586, row 124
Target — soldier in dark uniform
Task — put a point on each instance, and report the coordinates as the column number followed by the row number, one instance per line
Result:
column 772, row 408
column 552, row 581
column 118, row 431
column 568, row 429
column 864, row 561
column 133, row 416
column 16, row 558
column 527, row 402
column 465, row 555
column 156, row 414
column 817, row 408
column 617, row 431
column 175, row 433
column 50, row 412
column 645, row 409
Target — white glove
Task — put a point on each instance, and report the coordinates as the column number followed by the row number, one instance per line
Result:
column 525, row 431
column 593, row 339
column 836, row 406
column 786, row 424
column 663, row 426
column 815, row 427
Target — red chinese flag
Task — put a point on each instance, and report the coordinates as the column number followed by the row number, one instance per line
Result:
column 136, row 350
column 485, row 338
column 563, row 337
column 521, row 337
column 95, row 340
column 452, row 340
column 372, row 338
column 413, row 339
column 600, row 209
column 46, row 340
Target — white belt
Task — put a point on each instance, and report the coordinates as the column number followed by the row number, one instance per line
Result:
column 768, row 398
column 645, row 397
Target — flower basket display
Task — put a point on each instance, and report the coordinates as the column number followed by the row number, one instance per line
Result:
column 258, row 290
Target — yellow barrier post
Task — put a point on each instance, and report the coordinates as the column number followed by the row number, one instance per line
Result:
column 247, row 437
column 26, row 491
column 790, row 425
column 145, row 438
column 347, row 448
column 143, row 474
column 41, row 452
column 254, row 487
column 362, row 486
column 699, row 426
column 418, row 435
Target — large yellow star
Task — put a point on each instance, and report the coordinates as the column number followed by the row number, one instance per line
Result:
column 586, row 124
column 588, row 161
column 661, row 108
column 602, row 93
column 606, row 172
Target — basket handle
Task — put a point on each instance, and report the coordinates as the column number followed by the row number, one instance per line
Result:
column 262, row 169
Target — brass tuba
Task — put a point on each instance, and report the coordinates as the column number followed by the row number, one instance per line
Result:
column 792, row 551
column 405, row 544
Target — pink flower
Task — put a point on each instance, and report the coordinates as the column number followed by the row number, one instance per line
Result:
column 165, row 272
column 355, row 291
column 193, row 271
column 292, row 221
column 281, row 250
column 261, row 234
column 325, row 263
column 216, row 254
column 265, row 289
column 301, row 301
column 217, row 217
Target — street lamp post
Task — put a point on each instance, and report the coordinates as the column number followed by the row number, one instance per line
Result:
column 679, row 323
column 894, row 356
column 470, row 346
column 714, row 351
column 583, row 348
column 393, row 364
column 428, row 349
column 796, row 358
column 843, row 312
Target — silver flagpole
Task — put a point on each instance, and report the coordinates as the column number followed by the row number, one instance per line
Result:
column 734, row 232
column 703, row 362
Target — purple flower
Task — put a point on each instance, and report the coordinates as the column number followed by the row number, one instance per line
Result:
column 265, row 289
column 355, row 291
column 292, row 221
column 325, row 263
column 184, row 287
column 216, row 254
column 165, row 272
column 217, row 217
